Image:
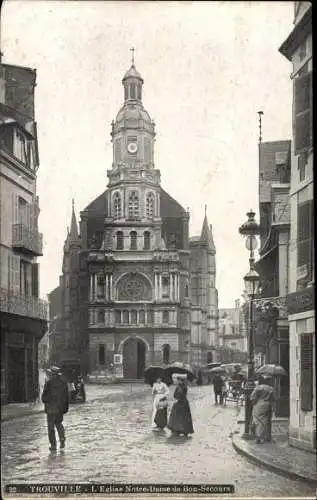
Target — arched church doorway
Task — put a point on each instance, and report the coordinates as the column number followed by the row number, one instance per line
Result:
column 134, row 351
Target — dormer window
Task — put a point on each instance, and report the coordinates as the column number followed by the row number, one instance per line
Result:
column 20, row 146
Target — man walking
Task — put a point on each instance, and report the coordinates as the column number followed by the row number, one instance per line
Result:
column 218, row 385
column 56, row 401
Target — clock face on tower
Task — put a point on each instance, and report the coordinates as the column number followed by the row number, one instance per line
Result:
column 132, row 147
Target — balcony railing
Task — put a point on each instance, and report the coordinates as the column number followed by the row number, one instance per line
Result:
column 27, row 239
column 22, row 305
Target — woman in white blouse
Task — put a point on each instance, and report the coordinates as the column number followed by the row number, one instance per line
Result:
column 159, row 415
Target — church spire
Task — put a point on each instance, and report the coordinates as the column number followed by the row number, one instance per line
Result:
column 206, row 233
column 73, row 233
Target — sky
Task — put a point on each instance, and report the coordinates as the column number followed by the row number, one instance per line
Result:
column 208, row 68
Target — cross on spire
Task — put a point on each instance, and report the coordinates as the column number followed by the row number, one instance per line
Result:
column 205, row 209
column 132, row 55
column 260, row 113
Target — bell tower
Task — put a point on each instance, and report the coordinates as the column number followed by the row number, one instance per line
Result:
column 134, row 183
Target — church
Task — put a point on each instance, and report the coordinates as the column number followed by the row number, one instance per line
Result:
column 135, row 289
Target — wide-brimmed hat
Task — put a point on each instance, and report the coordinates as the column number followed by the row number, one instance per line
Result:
column 55, row 370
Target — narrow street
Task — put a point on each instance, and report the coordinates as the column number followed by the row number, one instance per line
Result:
column 109, row 439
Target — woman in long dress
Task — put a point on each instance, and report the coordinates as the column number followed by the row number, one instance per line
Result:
column 180, row 419
column 262, row 399
column 159, row 414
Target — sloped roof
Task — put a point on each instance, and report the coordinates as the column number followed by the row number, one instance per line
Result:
column 99, row 206
column 169, row 206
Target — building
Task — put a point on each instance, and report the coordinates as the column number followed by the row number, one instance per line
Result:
column 23, row 313
column 297, row 48
column 204, row 297
column 232, row 334
column 272, row 334
column 126, row 287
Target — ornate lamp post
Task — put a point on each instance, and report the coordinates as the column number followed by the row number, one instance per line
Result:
column 250, row 230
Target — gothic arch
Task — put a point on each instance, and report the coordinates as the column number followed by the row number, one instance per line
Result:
column 120, row 347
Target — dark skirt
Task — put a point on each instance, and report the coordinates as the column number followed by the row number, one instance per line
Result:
column 161, row 418
column 180, row 420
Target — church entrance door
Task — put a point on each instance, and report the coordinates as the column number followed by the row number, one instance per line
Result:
column 133, row 358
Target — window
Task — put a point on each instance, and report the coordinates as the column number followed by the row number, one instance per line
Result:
column 126, row 96
column 305, row 237
column 117, row 205
column 209, row 357
column 139, row 88
column 101, row 354
column 101, row 316
column 7, row 138
column 303, row 136
column 165, row 286
column 302, row 50
column 20, row 146
column 118, row 317
column 147, row 240
column 100, row 286
column 25, row 278
column 132, row 91
column 133, row 317
column 23, row 212
column 166, row 353
column 306, row 371
column 133, row 205
column 165, row 317
column 302, row 162
column 126, row 317
column 133, row 240
column 142, row 317
column 186, row 291
column 150, row 205
column 150, row 316
column 119, row 240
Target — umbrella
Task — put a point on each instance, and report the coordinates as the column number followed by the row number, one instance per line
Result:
column 217, row 369
column 213, row 365
column 180, row 368
column 271, row 371
column 152, row 373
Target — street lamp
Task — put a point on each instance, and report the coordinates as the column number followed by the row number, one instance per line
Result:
column 250, row 230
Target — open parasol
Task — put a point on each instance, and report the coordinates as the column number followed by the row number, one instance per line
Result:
column 152, row 373
column 217, row 369
column 181, row 368
column 271, row 371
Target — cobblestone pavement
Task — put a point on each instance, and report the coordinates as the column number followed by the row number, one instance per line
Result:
column 109, row 439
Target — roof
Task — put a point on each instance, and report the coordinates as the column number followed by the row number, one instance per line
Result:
column 169, row 206
column 132, row 73
column 99, row 206
column 297, row 35
column 206, row 234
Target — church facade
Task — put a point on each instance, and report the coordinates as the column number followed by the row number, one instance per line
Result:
column 135, row 290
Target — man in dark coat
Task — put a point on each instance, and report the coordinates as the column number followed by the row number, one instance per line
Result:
column 218, row 384
column 56, row 400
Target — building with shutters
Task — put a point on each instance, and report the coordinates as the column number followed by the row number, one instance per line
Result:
column 232, row 330
column 272, row 332
column 128, row 296
column 23, row 313
column 297, row 48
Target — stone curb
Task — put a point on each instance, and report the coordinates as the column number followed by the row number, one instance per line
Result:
column 271, row 466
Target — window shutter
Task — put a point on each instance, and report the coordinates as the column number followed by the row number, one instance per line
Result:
column 306, row 381
column 16, row 274
column 303, row 234
column 303, row 112
column 35, row 280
